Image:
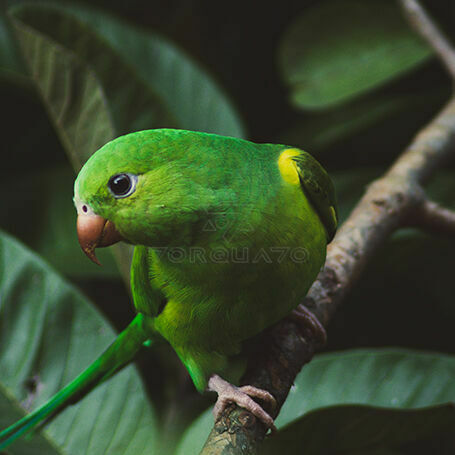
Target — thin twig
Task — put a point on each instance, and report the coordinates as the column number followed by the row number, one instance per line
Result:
column 433, row 218
column 425, row 26
column 386, row 206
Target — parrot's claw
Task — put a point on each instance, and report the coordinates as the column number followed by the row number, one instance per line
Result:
column 228, row 393
column 307, row 321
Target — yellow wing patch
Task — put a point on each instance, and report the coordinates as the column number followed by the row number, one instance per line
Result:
column 288, row 167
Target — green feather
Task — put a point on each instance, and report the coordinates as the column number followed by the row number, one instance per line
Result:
column 319, row 189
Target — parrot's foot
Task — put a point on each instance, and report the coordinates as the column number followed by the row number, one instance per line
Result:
column 228, row 393
column 307, row 321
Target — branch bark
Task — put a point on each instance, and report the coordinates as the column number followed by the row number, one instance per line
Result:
column 388, row 204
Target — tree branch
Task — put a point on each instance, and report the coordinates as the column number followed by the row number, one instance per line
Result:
column 423, row 24
column 386, row 206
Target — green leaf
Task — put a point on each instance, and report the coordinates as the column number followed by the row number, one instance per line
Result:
column 388, row 381
column 146, row 81
column 70, row 89
column 387, row 378
column 10, row 411
column 189, row 93
column 340, row 49
column 48, row 334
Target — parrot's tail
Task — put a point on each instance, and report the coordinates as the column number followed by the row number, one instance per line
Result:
column 116, row 356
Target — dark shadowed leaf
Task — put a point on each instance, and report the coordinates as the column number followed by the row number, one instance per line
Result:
column 383, row 117
column 360, row 429
column 339, row 49
column 48, row 334
column 406, row 291
column 404, row 298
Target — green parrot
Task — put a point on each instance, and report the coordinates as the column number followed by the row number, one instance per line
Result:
column 229, row 235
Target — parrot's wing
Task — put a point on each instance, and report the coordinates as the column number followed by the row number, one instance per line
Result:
column 148, row 299
column 318, row 187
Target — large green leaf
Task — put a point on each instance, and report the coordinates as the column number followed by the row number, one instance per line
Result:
column 395, row 380
column 11, row 411
column 191, row 96
column 389, row 378
column 49, row 333
column 147, row 81
column 71, row 90
column 339, row 49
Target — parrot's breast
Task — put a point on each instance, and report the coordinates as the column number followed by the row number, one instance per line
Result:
column 221, row 294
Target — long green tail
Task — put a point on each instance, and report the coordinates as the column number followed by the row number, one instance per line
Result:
column 116, row 356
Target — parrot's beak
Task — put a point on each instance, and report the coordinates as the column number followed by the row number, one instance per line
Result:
column 94, row 231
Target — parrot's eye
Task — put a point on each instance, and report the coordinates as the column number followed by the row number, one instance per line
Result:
column 122, row 185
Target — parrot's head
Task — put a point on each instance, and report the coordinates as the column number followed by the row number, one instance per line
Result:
column 129, row 190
